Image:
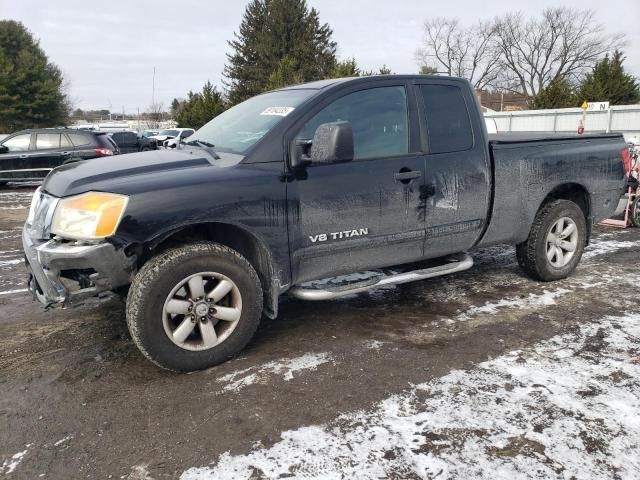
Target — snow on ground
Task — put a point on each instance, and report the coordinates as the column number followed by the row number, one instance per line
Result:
column 9, row 465
column 236, row 381
column 533, row 300
column 568, row 408
column 600, row 247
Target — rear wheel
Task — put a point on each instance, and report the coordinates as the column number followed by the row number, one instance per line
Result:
column 555, row 243
column 195, row 306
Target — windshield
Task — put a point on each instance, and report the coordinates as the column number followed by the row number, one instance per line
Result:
column 169, row 133
column 239, row 128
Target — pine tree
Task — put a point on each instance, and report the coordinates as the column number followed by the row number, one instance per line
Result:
column 609, row 83
column 346, row 68
column 279, row 42
column 31, row 87
column 558, row 94
column 200, row 107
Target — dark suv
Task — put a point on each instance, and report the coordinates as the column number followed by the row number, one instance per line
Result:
column 31, row 154
column 129, row 142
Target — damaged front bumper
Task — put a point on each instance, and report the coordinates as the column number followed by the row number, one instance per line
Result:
column 61, row 271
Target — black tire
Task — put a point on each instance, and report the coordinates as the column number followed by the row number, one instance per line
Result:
column 2, row 184
column 155, row 281
column 145, row 149
column 634, row 212
column 532, row 253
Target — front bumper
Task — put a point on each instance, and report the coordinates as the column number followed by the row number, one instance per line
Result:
column 54, row 266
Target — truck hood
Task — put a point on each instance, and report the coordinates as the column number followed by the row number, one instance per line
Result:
column 131, row 172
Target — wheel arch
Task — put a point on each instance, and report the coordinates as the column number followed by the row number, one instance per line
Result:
column 233, row 236
column 576, row 193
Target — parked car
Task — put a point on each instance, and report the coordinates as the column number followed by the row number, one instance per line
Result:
column 291, row 189
column 129, row 142
column 30, row 155
column 173, row 142
column 169, row 133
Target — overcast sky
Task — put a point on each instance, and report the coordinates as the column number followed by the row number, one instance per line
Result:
column 107, row 50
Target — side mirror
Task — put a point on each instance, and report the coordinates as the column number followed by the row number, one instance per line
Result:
column 4, row 149
column 332, row 143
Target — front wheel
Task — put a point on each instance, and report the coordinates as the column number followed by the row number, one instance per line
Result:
column 194, row 307
column 555, row 243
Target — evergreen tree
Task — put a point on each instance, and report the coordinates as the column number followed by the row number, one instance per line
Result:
column 346, row 68
column 31, row 87
column 279, row 42
column 558, row 94
column 609, row 83
column 175, row 107
column 200, row 107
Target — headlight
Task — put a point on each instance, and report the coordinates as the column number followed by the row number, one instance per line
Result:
column 35, row 200
column 89, row 216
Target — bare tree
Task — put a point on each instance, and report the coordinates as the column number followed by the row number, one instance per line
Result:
column 468, row 52
column 563, row 44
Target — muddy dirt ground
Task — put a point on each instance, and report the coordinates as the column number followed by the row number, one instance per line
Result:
column 77, row 400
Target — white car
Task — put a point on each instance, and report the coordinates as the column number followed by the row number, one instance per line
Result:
column 168, row 137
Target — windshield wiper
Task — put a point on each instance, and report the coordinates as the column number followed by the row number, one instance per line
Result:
column 205, row 146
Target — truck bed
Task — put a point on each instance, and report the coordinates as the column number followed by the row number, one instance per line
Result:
column 528, row 167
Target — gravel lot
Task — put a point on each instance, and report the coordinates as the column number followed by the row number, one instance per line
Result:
column 485, row 374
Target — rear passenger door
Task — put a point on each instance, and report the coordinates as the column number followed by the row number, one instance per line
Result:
column 49, row 152
column 457, row 169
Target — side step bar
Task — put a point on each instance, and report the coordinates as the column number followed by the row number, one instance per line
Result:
column 325, row 291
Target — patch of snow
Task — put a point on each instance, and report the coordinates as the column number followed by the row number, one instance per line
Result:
column 4, row 263
column 533, row 300
column 139, row 472
column 373, row 344
column 9, row 466
column 236, row 381
column 10, row 292
column 600, row 247
column 567, row 408
column 62, row 440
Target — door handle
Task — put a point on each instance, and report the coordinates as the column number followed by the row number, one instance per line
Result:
column 405, row 176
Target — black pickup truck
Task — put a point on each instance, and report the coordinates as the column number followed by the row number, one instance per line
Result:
column 291, row 189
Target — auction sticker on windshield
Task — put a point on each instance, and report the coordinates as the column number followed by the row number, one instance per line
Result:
column 280, row 111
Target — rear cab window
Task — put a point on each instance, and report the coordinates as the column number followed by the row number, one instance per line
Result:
column 447, row 118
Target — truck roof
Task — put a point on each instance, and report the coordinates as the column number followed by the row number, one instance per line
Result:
column 322, row 84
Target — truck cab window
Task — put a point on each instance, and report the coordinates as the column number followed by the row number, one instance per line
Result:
column 448, row 125
column 378, row 117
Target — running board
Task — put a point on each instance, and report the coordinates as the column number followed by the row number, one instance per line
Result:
column 336, row 287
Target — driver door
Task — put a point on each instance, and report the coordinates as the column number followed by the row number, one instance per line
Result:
column 365, row 213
